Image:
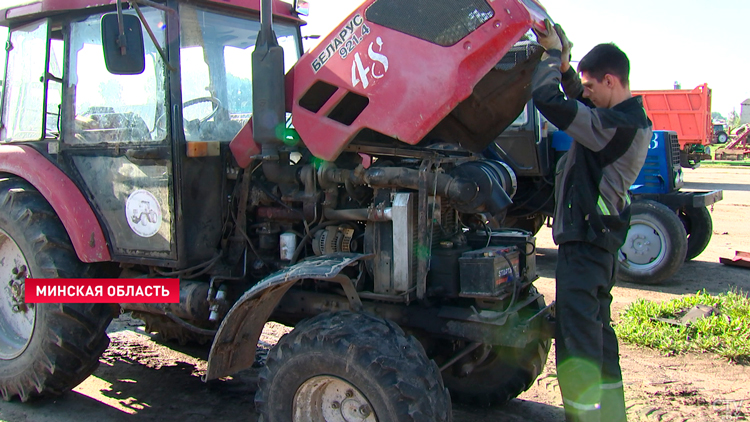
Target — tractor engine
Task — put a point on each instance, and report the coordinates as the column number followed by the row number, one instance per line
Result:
column 416, row 218
column 364, row 167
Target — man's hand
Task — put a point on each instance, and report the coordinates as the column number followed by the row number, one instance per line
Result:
column 550, row 41
column 566, row 47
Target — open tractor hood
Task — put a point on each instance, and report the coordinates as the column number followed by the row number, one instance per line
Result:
column 416, row 72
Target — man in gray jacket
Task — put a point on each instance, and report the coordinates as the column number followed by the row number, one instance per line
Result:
column 611, row 135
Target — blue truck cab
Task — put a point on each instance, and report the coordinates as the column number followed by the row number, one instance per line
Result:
column 661, row 173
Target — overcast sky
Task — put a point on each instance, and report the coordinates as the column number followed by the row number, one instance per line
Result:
column 688, row 41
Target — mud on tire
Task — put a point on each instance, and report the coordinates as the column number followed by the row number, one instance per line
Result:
column 379, row 369
column 61, row 343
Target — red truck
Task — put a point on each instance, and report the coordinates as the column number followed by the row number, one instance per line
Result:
column 687, row 112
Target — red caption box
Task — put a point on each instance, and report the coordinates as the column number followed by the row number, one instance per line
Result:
column 102, row 290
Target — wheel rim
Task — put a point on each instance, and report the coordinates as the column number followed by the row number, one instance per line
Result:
column 331, row 399
column 16, row 318
column 645, row 245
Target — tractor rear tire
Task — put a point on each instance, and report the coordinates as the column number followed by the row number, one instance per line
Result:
column 45, row 348
column 722, row 137
column 699, row 228
column 505, row 373
column 655, row 246
column 350, row 366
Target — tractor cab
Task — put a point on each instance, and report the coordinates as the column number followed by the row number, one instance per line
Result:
column 138, row 107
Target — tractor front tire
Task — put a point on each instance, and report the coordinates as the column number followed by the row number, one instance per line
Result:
column 655, row 246
column 699, row 228
column 505, row 373
column 45, row 348
column 350, row 366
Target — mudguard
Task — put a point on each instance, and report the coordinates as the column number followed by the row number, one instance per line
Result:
column 63, row 195
column 234, row 345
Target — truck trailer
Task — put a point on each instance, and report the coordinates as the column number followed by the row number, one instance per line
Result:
column 687, row 112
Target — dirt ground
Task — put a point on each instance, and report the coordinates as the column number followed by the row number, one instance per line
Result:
column 143, row 380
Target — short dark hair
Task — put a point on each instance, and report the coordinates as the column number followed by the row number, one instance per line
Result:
column 606, row 59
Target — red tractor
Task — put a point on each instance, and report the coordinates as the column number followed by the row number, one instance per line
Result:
column 340, row 191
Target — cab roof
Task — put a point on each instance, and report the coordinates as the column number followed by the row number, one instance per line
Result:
column 42, row 8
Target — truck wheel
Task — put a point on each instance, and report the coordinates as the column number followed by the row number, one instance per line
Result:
column 699, row 228
column 348, row 366
column 504, row 374
column 44, row 348
column 655, row 246
column 722, row 138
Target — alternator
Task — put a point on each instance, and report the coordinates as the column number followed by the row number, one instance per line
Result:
column 334, row 239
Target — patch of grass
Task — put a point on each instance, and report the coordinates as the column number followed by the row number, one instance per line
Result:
column 726, row 334
column 725, row 163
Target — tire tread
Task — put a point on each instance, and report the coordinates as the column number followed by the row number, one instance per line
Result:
column 76, row 333
column 699, row 227
column 381, row 346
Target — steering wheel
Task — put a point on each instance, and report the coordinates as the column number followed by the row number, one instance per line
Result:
column 161, row 122
column 211, row 99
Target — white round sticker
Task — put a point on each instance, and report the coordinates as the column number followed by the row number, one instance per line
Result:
column 143, row 213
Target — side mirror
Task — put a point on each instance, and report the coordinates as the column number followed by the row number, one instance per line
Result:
column 123, row 55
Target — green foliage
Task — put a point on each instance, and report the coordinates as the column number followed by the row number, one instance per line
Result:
column 733, row 120
column 726, row 334
column 715, row 115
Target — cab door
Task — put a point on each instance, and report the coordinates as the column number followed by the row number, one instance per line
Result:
column 116, row 142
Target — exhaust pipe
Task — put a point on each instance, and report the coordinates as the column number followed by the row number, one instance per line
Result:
column 268, row 85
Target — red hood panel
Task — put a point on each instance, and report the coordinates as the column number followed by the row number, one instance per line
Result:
column 368, row 76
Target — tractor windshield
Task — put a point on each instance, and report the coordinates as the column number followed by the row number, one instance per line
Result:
column 216, row 70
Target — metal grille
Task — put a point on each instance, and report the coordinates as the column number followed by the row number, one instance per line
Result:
column 675, row 144
column 443, row 22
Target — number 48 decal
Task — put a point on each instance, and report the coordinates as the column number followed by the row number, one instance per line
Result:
column 360, row 73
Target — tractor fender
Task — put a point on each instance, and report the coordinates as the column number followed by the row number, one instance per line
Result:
column 63, row 195
column 235, row 342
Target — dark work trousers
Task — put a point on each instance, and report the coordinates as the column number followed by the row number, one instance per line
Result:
column 588, row 361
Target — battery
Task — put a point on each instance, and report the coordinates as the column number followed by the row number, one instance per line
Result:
column 488, row 272
column 525, row 241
